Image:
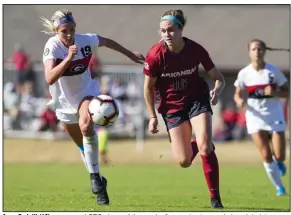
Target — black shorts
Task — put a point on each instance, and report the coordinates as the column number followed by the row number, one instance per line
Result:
column 197, row 107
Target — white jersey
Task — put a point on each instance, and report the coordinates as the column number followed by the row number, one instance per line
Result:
column 263, row 112
column 76, row 82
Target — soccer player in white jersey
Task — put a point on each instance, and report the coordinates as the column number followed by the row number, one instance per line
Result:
column 66, row 58
column 261, row 85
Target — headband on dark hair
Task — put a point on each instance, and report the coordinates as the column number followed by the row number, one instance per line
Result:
column 173, row 19
column 63, row 20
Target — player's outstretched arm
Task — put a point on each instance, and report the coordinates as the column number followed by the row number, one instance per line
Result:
column 111, row 44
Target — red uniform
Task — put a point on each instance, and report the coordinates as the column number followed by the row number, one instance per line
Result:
column 183, row 94
column 178, row 81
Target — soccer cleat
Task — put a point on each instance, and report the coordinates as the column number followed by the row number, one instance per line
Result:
column 99, row 187
column 281, row 191
column 216, row 203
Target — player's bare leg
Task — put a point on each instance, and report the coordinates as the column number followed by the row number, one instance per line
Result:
column 202, row 126
column 90, row 143
column 195, row 149
column 261, row 139
column 180, row 141
column 74, row 131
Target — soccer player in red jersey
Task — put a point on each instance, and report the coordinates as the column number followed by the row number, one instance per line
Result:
column 184, row 100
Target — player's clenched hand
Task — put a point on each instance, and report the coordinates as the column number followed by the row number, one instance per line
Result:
column 213, row 97
column 153, row 125
column 269, row 91
column 137, row 57
column 73, row 51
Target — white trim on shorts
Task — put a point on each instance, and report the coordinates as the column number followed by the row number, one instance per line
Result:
column 253, row 127
column 270, row 131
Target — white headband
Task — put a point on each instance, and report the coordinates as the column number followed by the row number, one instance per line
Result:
column 63, row 20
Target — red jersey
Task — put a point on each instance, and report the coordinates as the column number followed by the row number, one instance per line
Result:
column 178, row 81
column 20, row 60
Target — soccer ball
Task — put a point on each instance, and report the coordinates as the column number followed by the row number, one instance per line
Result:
column 103, row 110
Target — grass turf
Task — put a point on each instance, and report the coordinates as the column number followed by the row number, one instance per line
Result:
column 137, row 187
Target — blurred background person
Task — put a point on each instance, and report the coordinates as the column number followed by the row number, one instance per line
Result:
column 49, row 121
column 103, row 144
column 118, row 92
column 21, row 62
column 229, row 119
column 239, row 131
column 11, row 103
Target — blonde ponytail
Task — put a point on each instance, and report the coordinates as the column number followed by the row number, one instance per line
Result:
column 48, row 25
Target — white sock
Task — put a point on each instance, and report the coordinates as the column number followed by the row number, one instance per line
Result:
column 274, row 174
column 91, row 153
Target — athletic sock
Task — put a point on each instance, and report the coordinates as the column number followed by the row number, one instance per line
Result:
column 211, row 173
column 90, row 144
column 273, row 173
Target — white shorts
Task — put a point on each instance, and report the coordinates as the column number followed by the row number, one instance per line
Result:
column 270, row 123
column 68, row 118
column 69, row 104
column 67, row 112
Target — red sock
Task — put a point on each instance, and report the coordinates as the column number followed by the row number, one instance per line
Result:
column 194, row 149
column 211, row 173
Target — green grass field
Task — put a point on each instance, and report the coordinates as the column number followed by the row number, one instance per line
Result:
column 137, row 187
column 42, row 175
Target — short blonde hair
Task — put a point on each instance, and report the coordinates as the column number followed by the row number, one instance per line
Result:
column 49, row 25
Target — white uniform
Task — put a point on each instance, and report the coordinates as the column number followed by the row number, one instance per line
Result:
column 263, row 112
column 76, row 82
